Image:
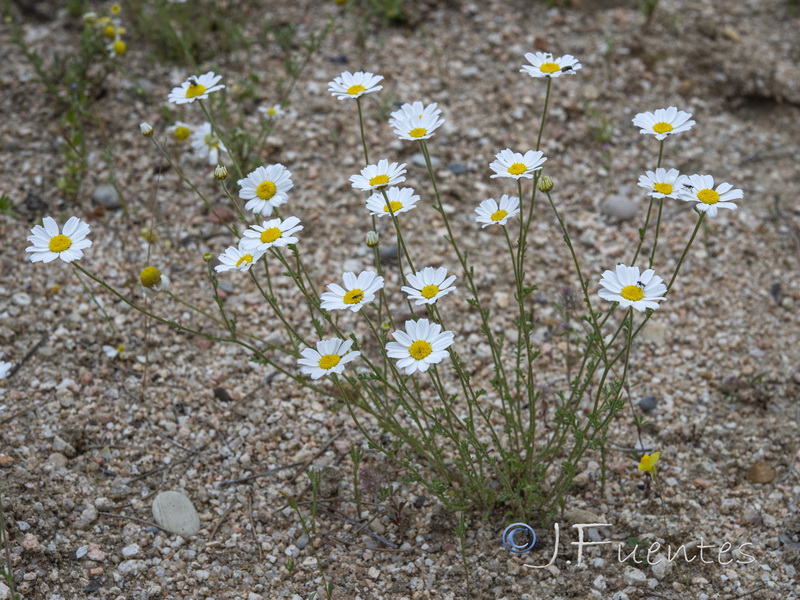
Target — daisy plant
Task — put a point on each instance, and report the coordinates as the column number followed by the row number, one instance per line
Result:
column 474, row 441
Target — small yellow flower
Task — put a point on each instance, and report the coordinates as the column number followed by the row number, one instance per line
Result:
column 648, row 462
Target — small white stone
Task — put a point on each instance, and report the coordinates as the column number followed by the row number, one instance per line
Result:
column 175, row 513
column 130, row 566
column 373, row 573
column 82, row 551
column 131, row 551
column 633, row 576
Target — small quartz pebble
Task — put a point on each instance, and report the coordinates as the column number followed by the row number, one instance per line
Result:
column 619, row 208
column 131, row 551
column 175, row 513
column 761, row 472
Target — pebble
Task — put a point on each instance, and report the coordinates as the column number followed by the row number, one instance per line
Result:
column 131, row 551
column 418, row 160
column 130, row 566
column 58, row 460
column 81, row 552
column 107, row 196
column 761, row 472
column 302, row 541
column 31, row 543
column 21, row 299
column 88, row 516
column 619, row 208
column 388, row 253
column 5, row 592
column 457, row 168
column 96, row 555
column 175, row 513
column 633, row 576
column 648, row 403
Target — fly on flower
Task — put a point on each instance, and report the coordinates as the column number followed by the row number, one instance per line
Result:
column 700, row 189
column 266, row 188
column 376, row 177
column 516, row 165
column 329, row 357
column 400, row 200
column 490, row 212
column 663, row 122
column 354, row 85
column 543, row 64
column 195, row 88
column 357, row 291
column 50, row 244
column 626, row 286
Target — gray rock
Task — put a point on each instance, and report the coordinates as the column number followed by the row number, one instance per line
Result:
column 130, row 566
column 388, row 253
column 418, row 160
column 88, row 516
column 175, row 513
column 619, row 207
column 131, row 551
column 648, row 403
column 21, row 299
column 302, row 541
column 457, row 169
column 107, row 196
column 633, row 576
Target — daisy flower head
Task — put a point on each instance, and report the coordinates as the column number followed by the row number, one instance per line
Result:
column 266, row 188
column 206, row 144
column 663, row 122
column 413, row 128
column 700, row 189
column 415, row 110
column 195, row 88
column 648, row 462
column 181, row 131
column 237, row 258
column 153, row 280
column 490, row 212
column 50, row 244
column 663, row 183
column 400, row 200
column 5, row 369
column 376, row 177
column 273, row 233
column 329, row 357
column 543, row 64
column 428, row 285
column 517, row 165
column 271, row 112
column 626, row 286
column 113, row 351
column 421, row 345
column 354, row 85
column 357, row 291
column 116, row 48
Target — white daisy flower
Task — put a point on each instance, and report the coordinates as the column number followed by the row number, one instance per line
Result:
column 354, row 85
column 180, row 131
column 663, row 122
column 375, row 177
column 113, row 351
column 237, row 258
column 273, row 233
column 627, row 287
column 400, row 200
column 700, row 189
column 266, row 188
column 5, row 369
column 415, row 109
column 492, row 213
column 663, row 183
column 330, row 356
column 206, row 143
column 357, row 291
column 415, row 128
column 516, row 165
column 153, row 280
column 421, row 345
column 271, row 112
column 116, row 48
column 544, row 65
column 49, row 244
column 195, row 88
column 428, row 285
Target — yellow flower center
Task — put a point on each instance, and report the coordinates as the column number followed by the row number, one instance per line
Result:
column 517, row 169
column 499, row 215
column 663, row 188
column 59, row 243
column 662, row 127
column 246, row 259
column 354, row 296
column 420, row 349
column 211, row 141
column 270, row 235
column 266, row 190
column 329, row 361
column 632, row 292
column 181, row 133
column 355, row 90
column 379, row 180
column 708, row 196
column 272, row 111
column 549, row 67
column 394, row 205
column 418, row 132
column 109, row 31
column 195, row 89
column 115, row 9
column 429, row 291
column 150, row 276
column 120, row 47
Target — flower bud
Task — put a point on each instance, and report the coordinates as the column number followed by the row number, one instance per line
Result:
column 146, row 129
column 545, row 184
column 207, row 257
column 220, row 173
column 372, row 239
